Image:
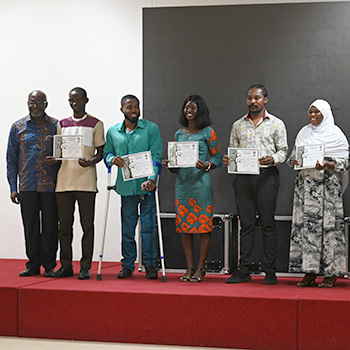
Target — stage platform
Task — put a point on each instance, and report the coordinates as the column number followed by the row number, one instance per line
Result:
column 138, row 310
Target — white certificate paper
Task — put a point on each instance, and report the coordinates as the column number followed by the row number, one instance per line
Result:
column 137, row 165
column 183, row 154
column 307, row 156
column 68, row 146
column 243, row 161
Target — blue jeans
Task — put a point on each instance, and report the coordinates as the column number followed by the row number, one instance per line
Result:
column 129, row 213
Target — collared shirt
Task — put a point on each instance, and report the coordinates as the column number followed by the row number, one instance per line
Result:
column 28, row 145
column 269, row 136
column 145, row 137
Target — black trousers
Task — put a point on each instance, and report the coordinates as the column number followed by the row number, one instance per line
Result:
column 39, row 216
column 66, row 206
column 257, row 194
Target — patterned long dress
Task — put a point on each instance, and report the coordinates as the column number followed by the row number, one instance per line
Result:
column 318, row 233
column 193, row 190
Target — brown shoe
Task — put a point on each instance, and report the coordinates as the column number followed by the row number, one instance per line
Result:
column 328, row 282
column 308, row 280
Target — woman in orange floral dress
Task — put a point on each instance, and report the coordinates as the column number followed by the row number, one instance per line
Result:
column 193, row 190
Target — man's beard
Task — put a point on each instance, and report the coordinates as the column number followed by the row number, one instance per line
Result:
column 255, row 111
column 133, row 119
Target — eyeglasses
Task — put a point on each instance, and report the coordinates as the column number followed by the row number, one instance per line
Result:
column 38, row 103
column 318, row 112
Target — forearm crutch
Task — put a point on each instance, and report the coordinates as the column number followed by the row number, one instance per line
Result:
column 160, row 235
column 109, row 188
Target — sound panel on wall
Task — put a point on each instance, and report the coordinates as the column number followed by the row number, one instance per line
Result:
column 300, row 52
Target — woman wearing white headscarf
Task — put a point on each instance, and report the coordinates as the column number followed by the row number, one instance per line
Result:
column 317, row 244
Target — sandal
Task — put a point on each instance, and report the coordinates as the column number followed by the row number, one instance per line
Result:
column 196, row 278
column 308, row 280
column 187, row 276
column 328, row 282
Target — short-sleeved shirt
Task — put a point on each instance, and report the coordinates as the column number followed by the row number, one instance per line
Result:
column 269, row 136
column 72, row 176
column 29, row 144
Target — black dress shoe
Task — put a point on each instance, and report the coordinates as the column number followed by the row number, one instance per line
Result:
column 64, row 271
column 50, row 273
column 151, row 272
column 270, row 278
column 125, row 273
column 29, row 272
column 239, row 277
column 84, row 274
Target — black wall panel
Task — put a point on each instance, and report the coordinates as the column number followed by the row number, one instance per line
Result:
column 300, row 52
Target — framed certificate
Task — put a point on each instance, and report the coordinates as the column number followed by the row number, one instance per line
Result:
column 243, row 161
column 307, row 156
column 68, row 146
column 183, row 154
column 137, row 165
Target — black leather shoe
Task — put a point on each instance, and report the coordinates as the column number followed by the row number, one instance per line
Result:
column 84, row 274
column 270, row 278
column 64, row 271
column 125, row 273
column 151, row 272
column 29, row 272
column 239, row 277
column 50, row 273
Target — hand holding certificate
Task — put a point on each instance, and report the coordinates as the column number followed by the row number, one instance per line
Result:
column 137, row 165
column 68, row 147
column 183, row 154
column 243, row 161
column 307, row 156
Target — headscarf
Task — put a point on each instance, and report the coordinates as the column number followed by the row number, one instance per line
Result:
column 324, row 133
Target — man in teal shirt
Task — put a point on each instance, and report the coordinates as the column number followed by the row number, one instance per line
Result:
column 128, row 137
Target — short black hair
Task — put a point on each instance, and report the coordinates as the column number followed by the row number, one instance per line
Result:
column 202, row 118
column 81, row 90
column 128, row 97
column 258, row 86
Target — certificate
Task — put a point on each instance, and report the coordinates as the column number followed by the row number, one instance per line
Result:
column 183, row 154
column 137, row 165
column 68, row 146
column 243, row 161
column 307, row 156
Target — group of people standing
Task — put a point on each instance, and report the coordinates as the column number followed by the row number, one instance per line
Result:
column 47, row 189
column 318, row 231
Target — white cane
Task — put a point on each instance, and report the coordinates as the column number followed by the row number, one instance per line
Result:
column 109, row 188
column 160, row 235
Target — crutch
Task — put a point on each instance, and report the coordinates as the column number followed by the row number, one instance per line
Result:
column 109, row 188
column 160, row 235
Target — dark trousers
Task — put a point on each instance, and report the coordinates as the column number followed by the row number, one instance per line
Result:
column 39, row 216
column 256, row 194
column 66, row 207
column 129, row 213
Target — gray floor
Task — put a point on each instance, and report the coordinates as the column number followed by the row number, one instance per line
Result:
column 14, row 343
